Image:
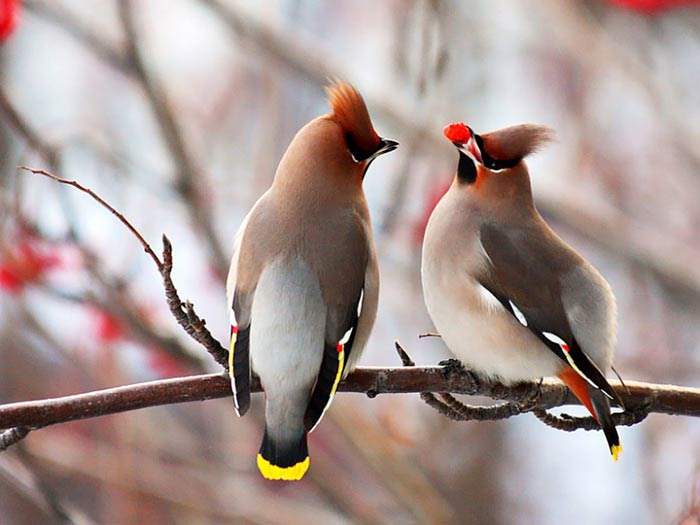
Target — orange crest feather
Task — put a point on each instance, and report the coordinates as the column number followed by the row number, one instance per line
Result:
column 348, row 109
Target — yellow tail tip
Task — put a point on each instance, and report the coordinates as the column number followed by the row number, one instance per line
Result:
column 616, row 450
column 293, row 473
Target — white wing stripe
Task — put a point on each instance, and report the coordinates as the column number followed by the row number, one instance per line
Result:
column 518, row 314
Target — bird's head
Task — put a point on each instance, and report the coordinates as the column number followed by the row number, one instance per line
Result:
column 349, row 111
column 500, row 151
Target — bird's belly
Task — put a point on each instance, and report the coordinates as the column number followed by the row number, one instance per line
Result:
column 287, row 327
column 483, row 335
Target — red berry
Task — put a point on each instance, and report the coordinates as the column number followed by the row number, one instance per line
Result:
column 457, row 132
column 9, row 17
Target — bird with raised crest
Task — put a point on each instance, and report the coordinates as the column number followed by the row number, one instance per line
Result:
column 303, row 285
column 509, row 297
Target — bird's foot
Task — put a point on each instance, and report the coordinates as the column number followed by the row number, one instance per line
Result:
column 452, row 366
column 454, row 369
column 533, row 398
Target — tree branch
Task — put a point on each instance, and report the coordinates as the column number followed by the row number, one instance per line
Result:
column 188, row 174
column 12, row 435
column 640, row 398
column 663, row 399
column 187, row 317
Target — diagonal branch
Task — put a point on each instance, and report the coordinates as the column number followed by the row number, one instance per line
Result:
column 184, row 313
column 146, row 247
column 12, row 436
column 187, row 173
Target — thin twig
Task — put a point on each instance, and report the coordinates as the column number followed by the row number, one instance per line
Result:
column 187, row 317
column 12, row 436
column 569, row 423
column 188, row 175
column 450, row 407
column 147, row 247
column 480, row 413
column 428, row 397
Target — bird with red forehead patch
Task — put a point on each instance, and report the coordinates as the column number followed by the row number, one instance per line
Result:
column 303, row 285
column 509, row 297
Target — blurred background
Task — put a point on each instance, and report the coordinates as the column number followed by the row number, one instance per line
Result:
column 178, row 111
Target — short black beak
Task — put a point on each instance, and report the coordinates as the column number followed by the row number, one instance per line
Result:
column 386, row 146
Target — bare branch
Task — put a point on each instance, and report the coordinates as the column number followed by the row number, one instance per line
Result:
column 52, row 12
column 187, row 173
column 654, row 398
column 569, row 423
column 458, row 411
column 186, row 318
column 146, row 247
column 640, row 398
column 17, row 122
column 12, row 436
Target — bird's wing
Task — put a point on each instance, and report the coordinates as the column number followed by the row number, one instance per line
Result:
column 347, row 290
column 524, row 272
column 239, row 360
column 244, row 272
column 335, row 360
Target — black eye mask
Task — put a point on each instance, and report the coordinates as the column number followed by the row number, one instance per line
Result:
column 489, row 161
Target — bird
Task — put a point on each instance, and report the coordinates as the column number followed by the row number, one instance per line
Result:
column 510, row 298
column 303, row 284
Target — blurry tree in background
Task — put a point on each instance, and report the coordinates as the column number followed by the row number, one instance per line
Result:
column 177, row 111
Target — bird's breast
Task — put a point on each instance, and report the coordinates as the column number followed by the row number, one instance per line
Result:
column 472, row 322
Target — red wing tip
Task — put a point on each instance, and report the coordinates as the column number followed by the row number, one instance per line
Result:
column 457, row 132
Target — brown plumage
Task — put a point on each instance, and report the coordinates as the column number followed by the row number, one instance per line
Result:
column 510, row 298
column 514, row 143
column 303, row 285
column 348, row 109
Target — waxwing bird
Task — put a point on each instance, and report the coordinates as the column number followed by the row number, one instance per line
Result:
column 303, row 285
column 510, row 298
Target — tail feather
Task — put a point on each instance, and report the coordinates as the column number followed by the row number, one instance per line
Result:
column 286, row 460
column 601, row 411
column 597, row 404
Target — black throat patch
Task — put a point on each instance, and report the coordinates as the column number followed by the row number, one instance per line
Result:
column 466, row 169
